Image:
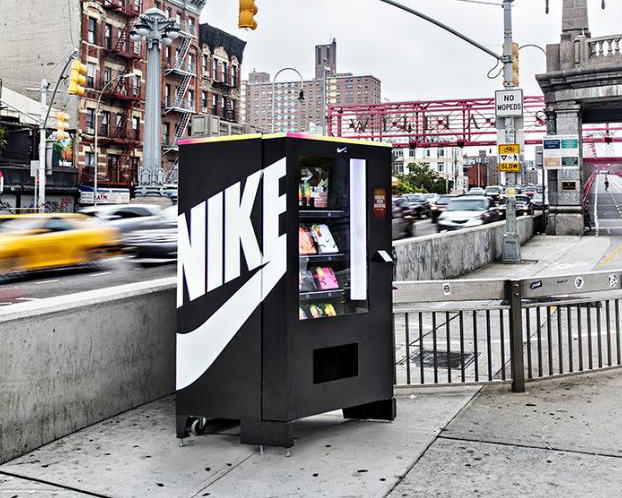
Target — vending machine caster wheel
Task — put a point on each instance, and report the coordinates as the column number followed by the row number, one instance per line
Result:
column 199, row 426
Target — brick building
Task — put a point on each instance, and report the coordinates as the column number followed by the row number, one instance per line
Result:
column 200, row 74
column 295, row 115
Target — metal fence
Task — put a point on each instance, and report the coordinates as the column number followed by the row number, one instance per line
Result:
column 485, row 331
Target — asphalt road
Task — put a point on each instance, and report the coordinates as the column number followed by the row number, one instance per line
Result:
column 606, row 206
column 69, row 281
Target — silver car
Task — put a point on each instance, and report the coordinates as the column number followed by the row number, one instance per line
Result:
column 467, row 212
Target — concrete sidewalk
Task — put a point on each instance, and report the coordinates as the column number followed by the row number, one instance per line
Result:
column 563, row 438
column 560, row 439
column 136, row 455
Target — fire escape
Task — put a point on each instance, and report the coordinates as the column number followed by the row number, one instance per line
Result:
column 180, row 104
column 125, row 94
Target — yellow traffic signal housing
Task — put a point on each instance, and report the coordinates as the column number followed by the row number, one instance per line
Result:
column 77, row 78
column 248, row 10
column 62, row 119
column 515, row 68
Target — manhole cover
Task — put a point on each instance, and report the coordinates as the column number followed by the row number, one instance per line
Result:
column 443, row 359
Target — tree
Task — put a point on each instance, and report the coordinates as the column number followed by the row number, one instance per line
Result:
column 422, row 179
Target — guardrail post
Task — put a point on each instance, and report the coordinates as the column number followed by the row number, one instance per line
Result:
column 517, row 362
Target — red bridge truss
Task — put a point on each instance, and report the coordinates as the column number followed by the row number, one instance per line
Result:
column 446, row 123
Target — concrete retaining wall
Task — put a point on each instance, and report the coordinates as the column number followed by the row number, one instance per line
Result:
column 72, row 361
column 451, row 254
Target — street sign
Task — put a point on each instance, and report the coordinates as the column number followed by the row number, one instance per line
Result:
column 510, row 167
column 508, row 158
column 561, row 151
column 509, row 103
column 509, row 149
column 34, row 168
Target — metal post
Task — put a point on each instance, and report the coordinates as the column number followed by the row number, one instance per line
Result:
column 157, row 29
column 302, row 84
column 152, row 154
column 517, row 363
column 511, row 241
column 40, row 200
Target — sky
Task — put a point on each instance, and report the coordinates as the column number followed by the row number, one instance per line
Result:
column 414, row 59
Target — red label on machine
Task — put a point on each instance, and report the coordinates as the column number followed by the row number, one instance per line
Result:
column 380, row 202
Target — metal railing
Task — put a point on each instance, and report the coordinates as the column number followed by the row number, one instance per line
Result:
column 487, row 331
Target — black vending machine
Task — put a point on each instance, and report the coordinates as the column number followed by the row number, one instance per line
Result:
column 284, row 294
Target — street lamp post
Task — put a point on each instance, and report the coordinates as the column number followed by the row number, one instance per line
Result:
column 96, row 154
column 157, row 29
column 301, row 95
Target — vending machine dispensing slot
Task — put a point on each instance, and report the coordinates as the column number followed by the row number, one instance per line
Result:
column 283, row 309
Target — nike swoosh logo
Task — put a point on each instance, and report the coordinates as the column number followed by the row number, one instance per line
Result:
column 197, row 350
column 341, row 149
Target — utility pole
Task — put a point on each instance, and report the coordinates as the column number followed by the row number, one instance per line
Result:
column 157, row 29
column 511, row 241
column 40, row 199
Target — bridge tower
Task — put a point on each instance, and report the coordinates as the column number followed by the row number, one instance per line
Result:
column 583, row 84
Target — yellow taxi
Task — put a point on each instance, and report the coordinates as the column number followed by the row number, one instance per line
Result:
column 53, row 240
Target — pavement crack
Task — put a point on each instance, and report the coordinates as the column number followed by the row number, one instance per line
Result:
column 528, row 446
column 54, row 484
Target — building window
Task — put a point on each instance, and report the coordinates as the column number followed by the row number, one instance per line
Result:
column 89, row 160
column 113, row 166
column 167, row 134
column 215, row 105
column 192, row 63
column 136, row 127
column 204, row 101
column 167, row 95
column 136, row 88
column 215, row 70
column 105, row 123
column 168, row 55
column 190, row 25
column 107, row 75
column 90, row 121
column 205, row 65
column 441, row 152
column 233, row 110
column 191, row 99
column 92, row 34
column 90, row 75
column 108, row 36
column 411, row 153
column 234, row 76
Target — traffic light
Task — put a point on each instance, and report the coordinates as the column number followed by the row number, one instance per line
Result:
column 248, row 9
column 515, row 68
column 61, row 125
column 77, row 78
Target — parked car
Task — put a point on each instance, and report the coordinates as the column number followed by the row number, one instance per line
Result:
column 494, row 192
column 43, row 241
column 537, row 201
column 402, row 219
column 476, row 191
column 523, row 205
column 157, row 242
column 124, row 217
column 467, row 212
column 530, row 190
column 419, row 204
column 439, row 206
